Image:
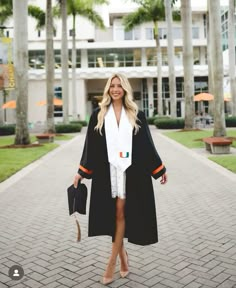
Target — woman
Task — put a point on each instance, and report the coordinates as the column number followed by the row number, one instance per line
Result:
column 120, row 157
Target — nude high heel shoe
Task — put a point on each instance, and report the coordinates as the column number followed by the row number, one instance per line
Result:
column 108, row 280
column 123, row 274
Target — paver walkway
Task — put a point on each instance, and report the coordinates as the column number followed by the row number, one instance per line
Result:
column 196, row 218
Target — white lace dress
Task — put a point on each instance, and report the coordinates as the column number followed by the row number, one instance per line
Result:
column 118, row 179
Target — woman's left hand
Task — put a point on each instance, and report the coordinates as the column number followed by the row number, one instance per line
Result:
column 163, row 179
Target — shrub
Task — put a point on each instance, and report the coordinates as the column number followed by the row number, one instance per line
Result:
column 169, row 123
column 68, row 128
column 151, row 120
column 7, row 130
column 230, row 121
column 82, row 122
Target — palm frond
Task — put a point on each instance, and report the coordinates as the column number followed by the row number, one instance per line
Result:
column 6, row 10
column 37, row 13
column 97, row 2
column 56, row 11
column 94, row 17
column 176, row 15
column 136, row 18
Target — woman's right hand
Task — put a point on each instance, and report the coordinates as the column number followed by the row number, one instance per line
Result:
column 76, row 179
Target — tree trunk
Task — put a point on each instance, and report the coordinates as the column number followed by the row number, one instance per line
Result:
column 231, row 37
column 209, row 63
column 64, row 62
column 186, row 18
column 159, row 71
column 74, row 100
column 217, row 65
column 20, row 16
column 50, row 68
column 170, row 52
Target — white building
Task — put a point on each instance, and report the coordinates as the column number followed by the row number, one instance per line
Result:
column 102, row 53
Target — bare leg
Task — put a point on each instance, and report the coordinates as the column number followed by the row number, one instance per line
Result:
column 124, row 267
column 117, row 245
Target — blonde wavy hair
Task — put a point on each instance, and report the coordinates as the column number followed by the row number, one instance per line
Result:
column 130, row 106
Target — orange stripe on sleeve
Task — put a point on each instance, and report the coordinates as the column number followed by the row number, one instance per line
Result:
column 85, row 170
column 158, row 169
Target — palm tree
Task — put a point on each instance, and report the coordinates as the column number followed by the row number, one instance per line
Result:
column 186, row 17
column 209, row 62
column 150, row 11
column 46, row 19
column 170, row 52
column 64, row 61
column 85, row 9
column 231, row 37
column 217, row 67
column 49, row 68
column 21, row 70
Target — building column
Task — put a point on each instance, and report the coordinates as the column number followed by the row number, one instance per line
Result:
column 143, row 57
column 182, row 109
column 81, row 98
column 202, row 59
column 84, row 58
column 150, row 97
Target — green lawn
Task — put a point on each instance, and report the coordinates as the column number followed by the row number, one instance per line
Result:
column 14, row 159
column 227, row 161
column 192, row 139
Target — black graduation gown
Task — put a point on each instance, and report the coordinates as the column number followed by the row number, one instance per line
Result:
column 140, row 211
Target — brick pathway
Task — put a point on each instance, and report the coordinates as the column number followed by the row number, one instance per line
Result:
column 196, row 218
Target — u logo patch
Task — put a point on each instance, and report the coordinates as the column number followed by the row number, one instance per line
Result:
column 124, row 154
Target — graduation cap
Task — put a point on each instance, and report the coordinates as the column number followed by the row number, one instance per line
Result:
column 77, row 199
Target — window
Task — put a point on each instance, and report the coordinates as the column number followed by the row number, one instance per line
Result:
column 58, row 110
column 195, row 31
column 39, row 33
column 149, row 35
column 121, row 34
column 162, row 33
column 177, row 33
column 136, row 34
column 128, row 35
column 145, row 96
column 114, row 58
column 37, row 59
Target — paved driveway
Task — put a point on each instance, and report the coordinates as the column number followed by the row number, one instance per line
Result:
column 196, row 218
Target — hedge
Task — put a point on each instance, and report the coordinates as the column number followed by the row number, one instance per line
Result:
column 169, row 123
column 151, row 120
column 165, row 123
column 230, row 121
column 68, row 128
column 7, row 130
column 82, row 122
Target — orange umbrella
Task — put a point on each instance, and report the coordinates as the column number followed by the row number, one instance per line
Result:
column 10, row 104
column 227, row 97
column 203, row 97
column 56, row 102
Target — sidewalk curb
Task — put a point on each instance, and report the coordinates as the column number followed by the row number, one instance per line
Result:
column 202, row 158
column 30, row 167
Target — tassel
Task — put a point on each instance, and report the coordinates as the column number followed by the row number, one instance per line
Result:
column 78, row 228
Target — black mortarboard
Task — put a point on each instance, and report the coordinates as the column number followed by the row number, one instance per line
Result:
column 77, row 199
